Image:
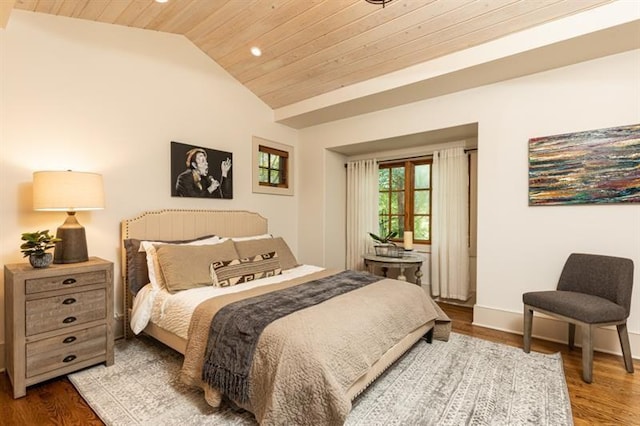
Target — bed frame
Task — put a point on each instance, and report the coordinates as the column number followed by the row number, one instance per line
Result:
column 181, row 225
column 189, row 224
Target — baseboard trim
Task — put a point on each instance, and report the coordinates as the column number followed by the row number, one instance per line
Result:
column 118, row 327
column 547, row 328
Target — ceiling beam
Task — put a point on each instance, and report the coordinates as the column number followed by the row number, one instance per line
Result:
column 5, row 11
column 591, row 35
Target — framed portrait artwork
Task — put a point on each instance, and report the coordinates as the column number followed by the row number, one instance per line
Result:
column 200, row 172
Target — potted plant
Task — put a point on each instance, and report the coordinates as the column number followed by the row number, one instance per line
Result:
column 36, row 245
column 385, row 246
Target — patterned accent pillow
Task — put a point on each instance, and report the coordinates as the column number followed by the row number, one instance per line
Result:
column 231, row 272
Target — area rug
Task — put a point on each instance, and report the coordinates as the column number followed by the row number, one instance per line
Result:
column 460, row 382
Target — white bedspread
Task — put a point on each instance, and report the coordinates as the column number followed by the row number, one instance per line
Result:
column 173, row 312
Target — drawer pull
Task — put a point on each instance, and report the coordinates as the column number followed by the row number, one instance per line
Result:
column 69, row 320
column 69, row 358
column 69, row 339
column 69, row 301
column 69, row 281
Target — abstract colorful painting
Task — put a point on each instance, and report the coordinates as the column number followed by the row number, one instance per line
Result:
column 597, row 166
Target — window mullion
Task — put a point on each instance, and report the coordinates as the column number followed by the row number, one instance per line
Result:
column 389, row 203
column 268, row 167
column 408, row 196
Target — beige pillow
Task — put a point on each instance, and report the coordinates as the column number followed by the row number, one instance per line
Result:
column 153, row 268
column 138, row 274
column 236, row 271
column 253, row 248
column 184, row 267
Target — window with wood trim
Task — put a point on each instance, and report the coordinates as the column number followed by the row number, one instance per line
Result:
column 273, row 167
column 405, row 199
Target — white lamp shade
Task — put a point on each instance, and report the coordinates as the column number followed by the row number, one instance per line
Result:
column 67, row 191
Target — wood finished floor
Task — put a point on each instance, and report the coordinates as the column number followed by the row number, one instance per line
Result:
column 612, row 399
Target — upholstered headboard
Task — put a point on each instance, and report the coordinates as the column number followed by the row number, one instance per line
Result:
column 164, row 225
column 185, row 224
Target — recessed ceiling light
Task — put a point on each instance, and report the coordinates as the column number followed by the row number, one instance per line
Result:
column 255, row 51
column 162, row 1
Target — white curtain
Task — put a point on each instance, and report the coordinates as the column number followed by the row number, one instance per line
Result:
column 450, row 225
column 362, row 210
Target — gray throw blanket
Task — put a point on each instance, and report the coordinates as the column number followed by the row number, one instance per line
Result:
column 236, row 328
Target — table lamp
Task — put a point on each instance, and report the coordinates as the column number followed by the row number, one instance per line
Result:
column 71, row 192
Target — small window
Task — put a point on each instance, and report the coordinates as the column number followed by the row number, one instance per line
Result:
column 272, row 167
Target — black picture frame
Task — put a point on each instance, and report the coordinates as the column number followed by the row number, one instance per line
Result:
column 190, row 177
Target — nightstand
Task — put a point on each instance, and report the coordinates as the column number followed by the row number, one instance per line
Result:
column 57, row 320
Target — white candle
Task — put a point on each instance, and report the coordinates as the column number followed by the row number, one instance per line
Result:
column 408, row 240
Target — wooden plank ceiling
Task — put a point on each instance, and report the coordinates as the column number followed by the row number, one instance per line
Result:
column 311, row 47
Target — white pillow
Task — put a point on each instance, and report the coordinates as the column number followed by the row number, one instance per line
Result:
column 155, row 275
column 252, row 237
column 141, row 309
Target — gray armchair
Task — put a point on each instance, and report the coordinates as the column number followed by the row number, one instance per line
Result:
column 593, row 291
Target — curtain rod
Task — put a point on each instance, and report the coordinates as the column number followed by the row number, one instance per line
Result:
column 466, row 150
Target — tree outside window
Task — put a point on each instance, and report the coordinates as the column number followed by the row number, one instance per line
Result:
column 405, row 199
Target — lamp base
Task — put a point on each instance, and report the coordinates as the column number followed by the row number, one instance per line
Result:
column 73, row 247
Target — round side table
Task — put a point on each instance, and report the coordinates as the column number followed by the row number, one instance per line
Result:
column 407, row 261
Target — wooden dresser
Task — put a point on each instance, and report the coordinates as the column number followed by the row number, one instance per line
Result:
column 57, row 320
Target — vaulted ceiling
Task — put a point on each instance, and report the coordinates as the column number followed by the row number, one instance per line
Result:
column 311, row 47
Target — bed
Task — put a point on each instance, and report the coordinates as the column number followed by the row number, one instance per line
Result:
column 308, row 390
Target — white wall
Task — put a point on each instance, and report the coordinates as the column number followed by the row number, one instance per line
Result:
column 520, row 248
column 336, row 218
column 109, row 99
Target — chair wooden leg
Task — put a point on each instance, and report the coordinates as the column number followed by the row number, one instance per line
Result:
column 572, row 335
column 626, row 348
column 526, row 334
column 587, row 352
